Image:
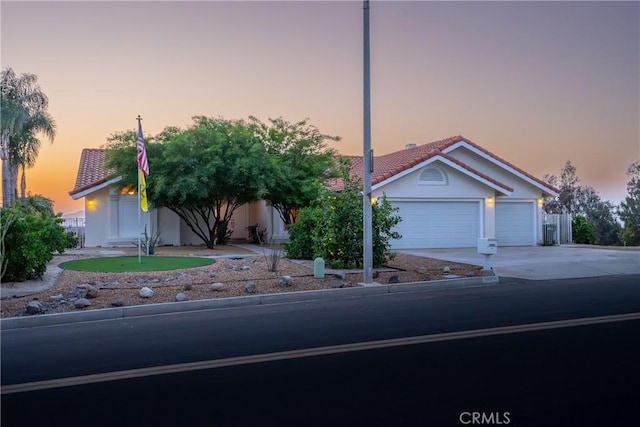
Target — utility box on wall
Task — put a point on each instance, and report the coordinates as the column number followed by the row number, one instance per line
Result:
column 487, row 246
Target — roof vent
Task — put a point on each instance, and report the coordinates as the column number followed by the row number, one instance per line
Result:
column 410, row 145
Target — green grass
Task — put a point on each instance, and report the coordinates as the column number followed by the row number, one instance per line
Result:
column 130, row 264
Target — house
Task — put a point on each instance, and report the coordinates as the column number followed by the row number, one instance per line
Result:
column 111, row 213
column 449, row 193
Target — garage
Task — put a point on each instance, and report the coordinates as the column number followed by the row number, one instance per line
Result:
column 515, row 223
column 437, row 224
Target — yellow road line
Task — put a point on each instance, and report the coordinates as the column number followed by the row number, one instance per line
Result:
column 310, row 352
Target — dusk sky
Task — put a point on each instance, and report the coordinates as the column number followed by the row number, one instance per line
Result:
column 536, row 83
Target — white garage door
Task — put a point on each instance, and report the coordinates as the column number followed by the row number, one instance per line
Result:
column 515, row 224
column 437, row 224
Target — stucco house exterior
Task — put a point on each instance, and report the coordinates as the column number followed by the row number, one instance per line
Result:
column 449, row 192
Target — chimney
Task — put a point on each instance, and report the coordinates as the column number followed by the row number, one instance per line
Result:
column 410, row 145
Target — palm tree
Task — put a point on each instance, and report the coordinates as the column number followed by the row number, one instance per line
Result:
column 24, row 115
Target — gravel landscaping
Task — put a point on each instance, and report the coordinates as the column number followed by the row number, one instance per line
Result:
column 75, row 290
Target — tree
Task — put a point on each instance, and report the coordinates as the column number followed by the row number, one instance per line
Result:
column 568, row 186
column 629, row 209
column 599, row 214
column 301, row 164
column 203, row 173
column 24, row 116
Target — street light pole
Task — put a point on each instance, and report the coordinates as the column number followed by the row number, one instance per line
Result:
column 367, row 158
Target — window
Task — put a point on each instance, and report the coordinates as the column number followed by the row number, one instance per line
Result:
column 432, row 176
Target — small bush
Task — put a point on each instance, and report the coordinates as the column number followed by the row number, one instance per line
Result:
column 582, row 230
column 30, row 240
column 333, row 230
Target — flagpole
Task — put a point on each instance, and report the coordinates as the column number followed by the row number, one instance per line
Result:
column 139, row 226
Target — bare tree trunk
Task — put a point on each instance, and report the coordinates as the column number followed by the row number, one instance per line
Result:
column 23, row 186
column 7, row 190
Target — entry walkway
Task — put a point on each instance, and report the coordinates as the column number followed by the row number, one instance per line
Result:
column 545, row 262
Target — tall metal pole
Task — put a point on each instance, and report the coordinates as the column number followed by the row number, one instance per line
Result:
column 367, row 159
column 139, row 226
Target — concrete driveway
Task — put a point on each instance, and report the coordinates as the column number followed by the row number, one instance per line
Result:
column 545, row 262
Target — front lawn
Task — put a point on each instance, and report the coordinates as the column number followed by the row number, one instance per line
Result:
column 130, row 264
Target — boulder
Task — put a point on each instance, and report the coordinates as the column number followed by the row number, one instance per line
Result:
column 146, row 292
column 81, row 303
column 340, row 275
column 34, row 307
column 285, row 281
column 181, row 297
column 245, row 268
column 92, row 292
column 394, row 279
column 446, row 270
column 334, row 284
column 58, row 297
column 217, row 287
column 188, row 286
column 117, row 303
column 250, row 287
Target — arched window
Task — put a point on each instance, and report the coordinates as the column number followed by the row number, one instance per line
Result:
column 432, row 176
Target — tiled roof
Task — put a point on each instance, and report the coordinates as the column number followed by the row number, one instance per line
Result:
column 388, row 165
column 91, row 171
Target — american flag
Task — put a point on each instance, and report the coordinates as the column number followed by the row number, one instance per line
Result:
column 143, row 164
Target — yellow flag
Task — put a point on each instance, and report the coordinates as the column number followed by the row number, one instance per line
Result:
column 143, row 192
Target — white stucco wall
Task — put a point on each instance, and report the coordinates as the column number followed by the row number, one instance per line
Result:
column 458, row 186
column 521, row 188
column 96, row 208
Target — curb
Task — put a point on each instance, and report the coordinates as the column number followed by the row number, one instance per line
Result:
column 243, row 301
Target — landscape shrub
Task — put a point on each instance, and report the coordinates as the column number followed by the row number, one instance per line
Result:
column 30, row 240
column 333, row 230
column 582, row 230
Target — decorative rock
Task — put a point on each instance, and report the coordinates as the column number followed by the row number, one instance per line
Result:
column 34, row 307
column 250, row 287
column 181, row 297
column 92, row 292
column 154, row 281
column 81, row 303
column 117, row 303
column 245, row 268
column 340, row 275
column 335, row 284
column 188, row 286
column 451, row 276
column 58, row 297
column 140, row 281
column 212, row 274
column 217, row 287
column 421, row 270
column 394, row 279
column 446, row 270
column 470, row 274
column 146, row 292
column 285, row 281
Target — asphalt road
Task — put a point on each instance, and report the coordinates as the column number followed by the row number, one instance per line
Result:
column 561, row 376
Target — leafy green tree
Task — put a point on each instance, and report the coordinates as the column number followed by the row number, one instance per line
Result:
column 568, row 186
column 24, row 116
column 203, row 173
column 629, row 209
column 301, row 163
column 599, row 214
